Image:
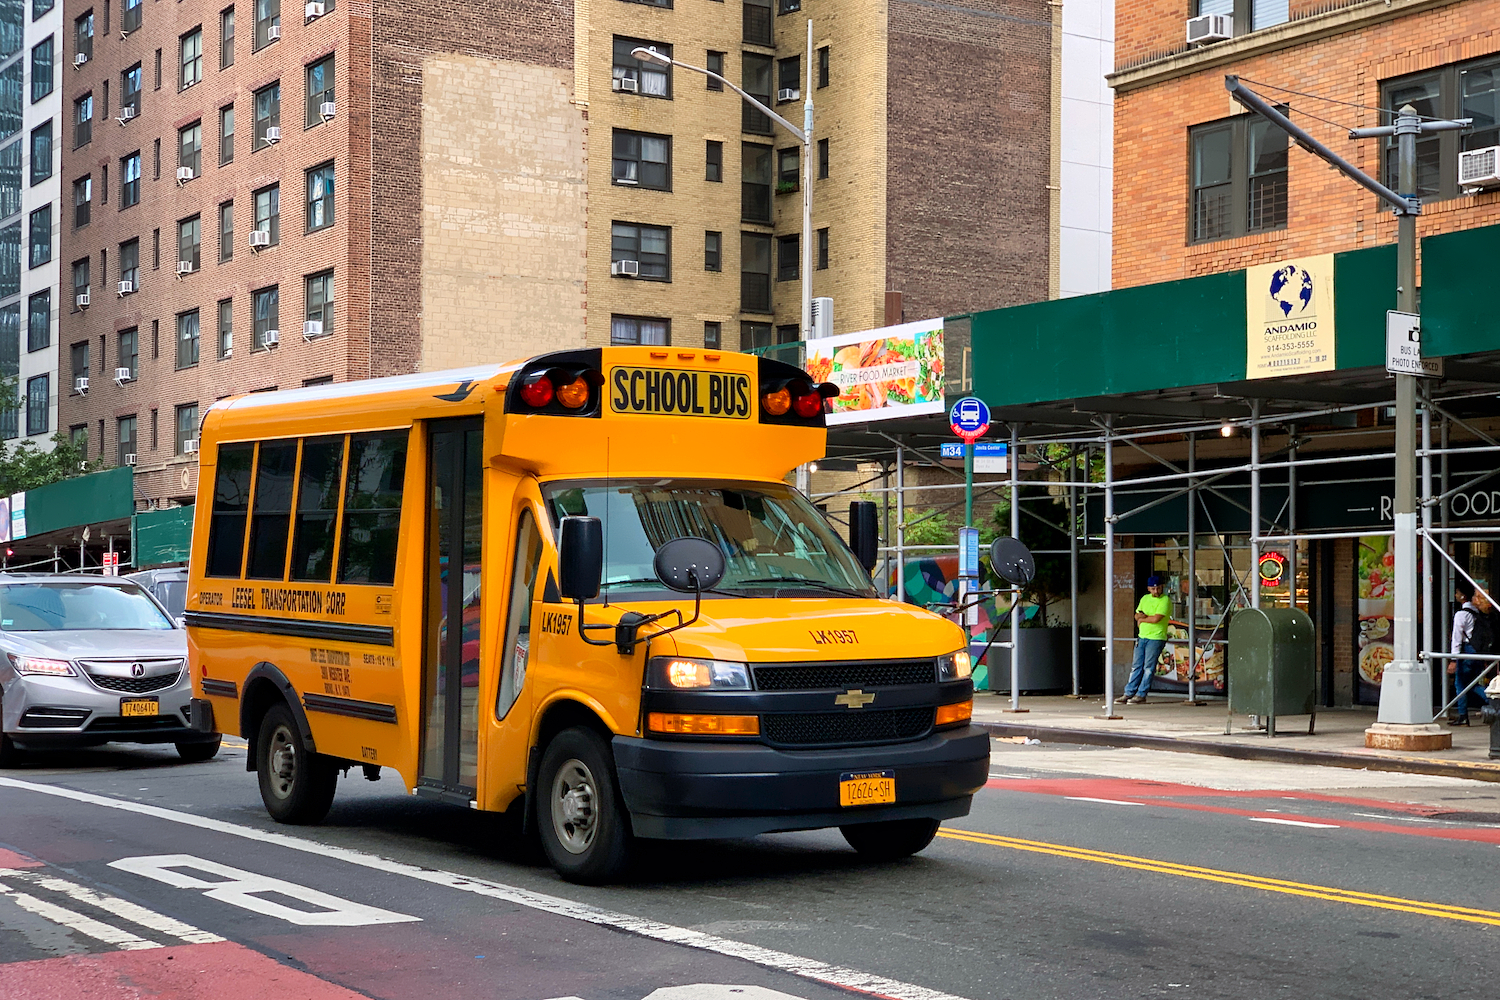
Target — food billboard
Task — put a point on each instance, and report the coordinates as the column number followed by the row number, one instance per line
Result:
column 896, row 371
column 1377, row 610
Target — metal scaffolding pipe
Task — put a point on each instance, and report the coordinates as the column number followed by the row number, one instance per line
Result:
column 900, row 523
column 1192, row 569
column 1255, row 526
column 1073, row 562
column 1109, row 573
column 1015, row 532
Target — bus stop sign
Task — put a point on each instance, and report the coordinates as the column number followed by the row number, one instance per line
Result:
column 970, row 418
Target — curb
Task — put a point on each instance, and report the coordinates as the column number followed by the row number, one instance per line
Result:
column 1241, row 751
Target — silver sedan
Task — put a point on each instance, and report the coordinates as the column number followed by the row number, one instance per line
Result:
column 91, row 660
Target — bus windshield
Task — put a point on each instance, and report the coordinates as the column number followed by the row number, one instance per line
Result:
column 774, row 542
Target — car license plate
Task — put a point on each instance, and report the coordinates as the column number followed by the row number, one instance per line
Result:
column 134, row 707
column 867, row 788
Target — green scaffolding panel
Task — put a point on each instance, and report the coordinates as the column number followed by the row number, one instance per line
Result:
column 99, row 496
column 1457, row 317
column 162, row 537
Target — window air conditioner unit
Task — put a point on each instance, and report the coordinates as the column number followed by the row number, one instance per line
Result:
column 788, row 94
column 125, row 287
column 1479, row 168
column 627, row 84
column 184, row 267
column 80, row 59
column 81, row 300
column 272, row 338
column 130, row 458
column 273, row 33
column 126, row 114
column 312, row 328
column 228, row 353
column 184, row 174
column 260, row 238
column 625, row 269
column 81, row 384
column 326, row 110
column 1207, row 28
column 314, row 10
column 122, row 374
column 190, row 446
column 273, row 134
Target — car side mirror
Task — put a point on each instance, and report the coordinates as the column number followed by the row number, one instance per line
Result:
column 864, row 533
column 688, row 565
column 1012, row 561
column 580, row 558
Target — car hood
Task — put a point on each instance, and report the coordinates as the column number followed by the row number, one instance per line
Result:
column 85, row 644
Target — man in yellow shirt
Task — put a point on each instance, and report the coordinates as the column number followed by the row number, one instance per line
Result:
column 1151, row 615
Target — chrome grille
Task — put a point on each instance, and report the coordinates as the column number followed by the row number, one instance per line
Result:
column 842, row 676
column 116, row 675
column 136, row 685
column 806, row 729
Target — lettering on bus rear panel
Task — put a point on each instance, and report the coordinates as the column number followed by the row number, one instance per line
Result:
column 680, row 393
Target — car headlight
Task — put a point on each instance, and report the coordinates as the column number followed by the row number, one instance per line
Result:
column 38, row 665
column 685, row 673
column 955, row 666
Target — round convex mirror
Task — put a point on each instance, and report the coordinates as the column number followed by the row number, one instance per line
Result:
column 688, row 564
column 1012, row 561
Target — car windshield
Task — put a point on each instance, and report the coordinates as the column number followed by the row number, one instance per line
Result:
column 774, row 542
column 58, row 607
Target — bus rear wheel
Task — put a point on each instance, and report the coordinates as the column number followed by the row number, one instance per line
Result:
column 583, row 827
column 296, row 785
column 892, row 839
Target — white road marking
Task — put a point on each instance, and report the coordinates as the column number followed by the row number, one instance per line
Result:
column 83, row 925
column 119, row 907
column 239, row 888
column 806, row 968
column 715, row 991
column 1108, row 802
column 1404, row 819
column 1292, row 822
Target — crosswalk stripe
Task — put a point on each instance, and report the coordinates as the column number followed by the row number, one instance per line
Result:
column 122, row 908
column 88, row 926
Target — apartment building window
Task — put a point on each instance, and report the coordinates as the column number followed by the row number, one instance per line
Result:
column 714, row 161
column 83, row 120
column 640, row 330
column 83, row 196
column 1239, row 181
column 40, row 7
column 755, row 272
column 10, row 260
column 226, row 38
column 128, row 346
column 130, row 90
column 267, row 16
column 756, row 81
column 83, row 35
column 80, row 358
column 39, row 321
column 80, row 280
column 226, row 231
column 642, row 160
column 1249, row 15
column 712, row 335
column 757, row 22
column 41, row 152
column 789, row 170
column 1460, row 90
column 226, row 328
column 190, row 48
column 187, row 426
column 320, row 197
column 268, row 212
column 319, row 90
column 41, row 69
column 755, row 183
column 713, row 251
column 822, row 248
column 10, row 98
column 822, row 159
column 823, row 67
column 10, row 180
column 267, row 304
column 267, row 114
column 39, row 404
column 753, row 335
column 156, row 249
column 319, row 299
column 130, row 180
column 226, row 135
column 189, row 241
column 714, row 63
column 127, row 440
column 187, row 339
column 789, row 78
column 652, row 79
column 788, row 258
column 130, row 264
column 130, row 15
column 78, row 437
column 650, row 246
column 190, row 148
column 41, row 236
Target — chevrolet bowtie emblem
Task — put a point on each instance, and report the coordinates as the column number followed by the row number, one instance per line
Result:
column 854, row 699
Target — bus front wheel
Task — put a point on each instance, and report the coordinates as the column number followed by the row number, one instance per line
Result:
column 579, row 816
column 892, row 839
column 297, row 786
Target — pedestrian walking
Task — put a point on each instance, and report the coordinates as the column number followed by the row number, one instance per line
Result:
column 1151, row 615
column 1473, row 632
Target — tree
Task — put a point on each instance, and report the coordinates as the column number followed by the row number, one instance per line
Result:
column 1044, row 525
column 24, row 466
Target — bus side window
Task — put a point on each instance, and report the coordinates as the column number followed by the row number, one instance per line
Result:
column 270, row 520
column 515, row 644
column 372, row 507
column 317, row 509
column 226, row 527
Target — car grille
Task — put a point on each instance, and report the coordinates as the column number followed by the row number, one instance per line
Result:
column 136, row 685
column 806, row 729
column 160, row 674
column 842, row 676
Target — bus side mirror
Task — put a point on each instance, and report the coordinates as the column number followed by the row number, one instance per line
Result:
column 580, row 558
column 864, row 535
column 689, row 565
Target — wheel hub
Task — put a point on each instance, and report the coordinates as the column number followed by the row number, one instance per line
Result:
column 575, row 819
column 283, row 761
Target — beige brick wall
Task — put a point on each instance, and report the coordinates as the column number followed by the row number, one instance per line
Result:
column 503, row 214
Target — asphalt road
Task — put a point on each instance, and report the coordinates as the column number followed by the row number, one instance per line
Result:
column 1081, row 872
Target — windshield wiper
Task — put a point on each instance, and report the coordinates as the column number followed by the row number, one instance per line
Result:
column 796, row 582
column 641, row 579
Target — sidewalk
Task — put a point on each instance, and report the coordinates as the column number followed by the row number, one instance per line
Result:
column 1165, row 723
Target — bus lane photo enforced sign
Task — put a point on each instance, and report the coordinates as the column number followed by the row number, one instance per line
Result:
column 680, row 392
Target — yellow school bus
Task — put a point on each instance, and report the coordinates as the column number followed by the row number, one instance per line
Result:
column 577, row 588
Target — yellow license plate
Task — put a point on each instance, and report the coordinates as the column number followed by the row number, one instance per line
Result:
column 867, row 788
column 133, row 707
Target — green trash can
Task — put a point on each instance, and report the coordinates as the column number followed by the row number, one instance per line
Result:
column 1272, row 665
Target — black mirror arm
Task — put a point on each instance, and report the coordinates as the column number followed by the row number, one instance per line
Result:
column 626, row 635
column 583, row 628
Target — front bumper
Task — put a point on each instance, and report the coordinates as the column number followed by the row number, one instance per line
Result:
column 83, row 715
column 680, row 790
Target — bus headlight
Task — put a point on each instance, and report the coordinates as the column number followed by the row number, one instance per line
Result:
column 686, row 673
column 955, row 666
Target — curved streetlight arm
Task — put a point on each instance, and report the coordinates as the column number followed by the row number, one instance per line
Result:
column 651, row 55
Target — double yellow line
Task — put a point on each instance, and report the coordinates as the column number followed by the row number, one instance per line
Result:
column 1329, row 893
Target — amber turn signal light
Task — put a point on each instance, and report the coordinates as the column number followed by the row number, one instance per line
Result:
column 575, row 394
column 960, row 711
column 777, row 403
column 703, row 725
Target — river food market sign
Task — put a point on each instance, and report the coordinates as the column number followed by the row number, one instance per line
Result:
column 1289, row 317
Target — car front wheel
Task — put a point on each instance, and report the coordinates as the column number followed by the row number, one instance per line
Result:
column 296, row 785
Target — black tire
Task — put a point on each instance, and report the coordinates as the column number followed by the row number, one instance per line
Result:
column 296, row 786
column 897, row 838
column 196, row 753
column 583, row 826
